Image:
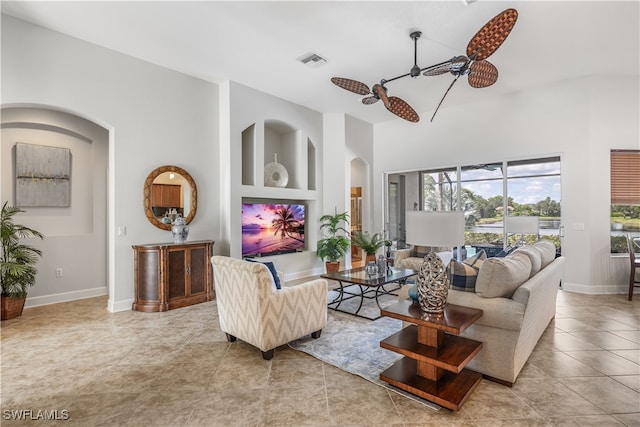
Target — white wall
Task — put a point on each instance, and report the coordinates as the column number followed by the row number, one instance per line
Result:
column 75, row 236
column 247, row 107
column 155, row 117
column 581, row 120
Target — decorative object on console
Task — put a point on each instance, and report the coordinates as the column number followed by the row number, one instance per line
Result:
column 275, row 174
column 435, row 229
column 481, row 72
column 522, row 225
column 335, row 242
column 180, row 230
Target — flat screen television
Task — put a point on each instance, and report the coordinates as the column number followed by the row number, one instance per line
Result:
column 272, row 228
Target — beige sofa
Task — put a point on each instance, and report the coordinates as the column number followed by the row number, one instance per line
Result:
column 512, row 324
column 412, row 257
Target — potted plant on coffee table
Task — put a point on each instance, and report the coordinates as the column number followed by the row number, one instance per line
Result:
column 17, row 262
column 335, row 242
column 368, row 243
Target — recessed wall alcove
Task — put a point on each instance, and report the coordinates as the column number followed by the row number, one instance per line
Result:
column 276, row 140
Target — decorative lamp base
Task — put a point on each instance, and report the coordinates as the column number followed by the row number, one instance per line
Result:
column 433, row 284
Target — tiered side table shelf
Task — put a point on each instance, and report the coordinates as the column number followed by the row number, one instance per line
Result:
column 435, row 356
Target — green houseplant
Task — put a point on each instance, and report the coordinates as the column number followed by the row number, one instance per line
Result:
column 17, row 262
column 369, row 243
column 335, row 243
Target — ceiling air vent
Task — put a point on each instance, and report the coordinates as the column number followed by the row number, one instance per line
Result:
column 312, row 59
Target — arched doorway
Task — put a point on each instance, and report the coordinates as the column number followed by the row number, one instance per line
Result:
column 75, row 248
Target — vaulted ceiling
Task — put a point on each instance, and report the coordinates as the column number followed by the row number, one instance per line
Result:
column 257, row 43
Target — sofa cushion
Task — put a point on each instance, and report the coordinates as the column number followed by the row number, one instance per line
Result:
column 463, row 274
column 500, row 277
column 534, row 256
column 272, row 270
column 547, row 251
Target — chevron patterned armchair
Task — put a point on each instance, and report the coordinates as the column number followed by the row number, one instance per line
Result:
column 252, row 309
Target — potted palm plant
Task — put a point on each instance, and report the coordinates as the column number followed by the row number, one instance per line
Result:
column 335, row 242
column 17, row 262
column 369, row 243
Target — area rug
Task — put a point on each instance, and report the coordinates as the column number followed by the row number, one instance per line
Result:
column 353, row 344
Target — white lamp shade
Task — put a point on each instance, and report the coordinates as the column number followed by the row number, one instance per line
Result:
column 522, row 224
column 442, row 228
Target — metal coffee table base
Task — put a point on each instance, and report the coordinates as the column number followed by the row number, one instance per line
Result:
column 377, row 291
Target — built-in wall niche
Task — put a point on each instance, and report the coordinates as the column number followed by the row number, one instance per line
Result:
column 278, row 155
column 282, row 145
column 248, row 155
column 311, row 165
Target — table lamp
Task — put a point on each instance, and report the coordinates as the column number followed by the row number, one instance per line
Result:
column 435, row 229
column 523, row 225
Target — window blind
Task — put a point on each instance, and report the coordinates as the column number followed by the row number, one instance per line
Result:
column 625, row 177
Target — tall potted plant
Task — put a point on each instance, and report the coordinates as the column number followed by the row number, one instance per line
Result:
column 17, row 262
column 369, row 243
column 335, row 242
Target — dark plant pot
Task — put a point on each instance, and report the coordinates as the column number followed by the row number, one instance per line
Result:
column 332, row 266
column 12, row 307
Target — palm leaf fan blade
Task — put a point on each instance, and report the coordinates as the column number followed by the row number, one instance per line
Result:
column 482, row 74
column 351, row 85
column 403, row 110
column 489, row 38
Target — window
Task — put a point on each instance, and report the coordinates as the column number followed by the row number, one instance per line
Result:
column 487, row 193
column 625, row 197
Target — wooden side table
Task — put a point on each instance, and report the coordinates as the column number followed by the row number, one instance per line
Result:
column 435, row 356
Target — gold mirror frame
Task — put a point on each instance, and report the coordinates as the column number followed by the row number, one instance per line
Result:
column 147, row 195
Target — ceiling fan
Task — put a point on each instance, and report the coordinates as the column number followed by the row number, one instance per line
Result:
column 480, row 72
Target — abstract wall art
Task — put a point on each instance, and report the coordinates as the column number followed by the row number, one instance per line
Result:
column 43, row 176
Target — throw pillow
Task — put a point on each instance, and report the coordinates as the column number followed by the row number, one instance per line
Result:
column 548, row 251
column 476, row 260
column 272, row 269
column 534, row 256
column 500, row 277
column 464, row 274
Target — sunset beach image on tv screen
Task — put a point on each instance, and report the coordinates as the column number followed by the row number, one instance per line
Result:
column 272, row 228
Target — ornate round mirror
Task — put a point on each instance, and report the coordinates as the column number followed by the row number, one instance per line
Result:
column 169, row 192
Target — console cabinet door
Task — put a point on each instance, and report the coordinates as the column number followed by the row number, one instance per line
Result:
column 148, row 279
column 172, row 275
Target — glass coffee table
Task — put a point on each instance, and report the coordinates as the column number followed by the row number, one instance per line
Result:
column 367, row 286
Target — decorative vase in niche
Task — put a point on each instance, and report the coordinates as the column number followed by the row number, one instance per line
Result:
column 275, row 174
column 433, row 284
column 180, row 230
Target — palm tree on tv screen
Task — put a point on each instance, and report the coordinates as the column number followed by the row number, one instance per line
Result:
column 286, row 224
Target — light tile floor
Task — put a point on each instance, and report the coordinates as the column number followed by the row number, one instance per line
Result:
column 177, row 369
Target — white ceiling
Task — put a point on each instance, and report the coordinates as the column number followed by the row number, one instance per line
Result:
column 257, row 43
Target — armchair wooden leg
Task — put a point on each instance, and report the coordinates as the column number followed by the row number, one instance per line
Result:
column 316, row 334
column 230, row 337
column 268, row 355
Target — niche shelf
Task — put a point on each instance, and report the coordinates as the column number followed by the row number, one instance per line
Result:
column 262, row 142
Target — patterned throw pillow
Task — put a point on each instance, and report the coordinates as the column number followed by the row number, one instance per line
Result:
column 464, row 274
column 272, row 269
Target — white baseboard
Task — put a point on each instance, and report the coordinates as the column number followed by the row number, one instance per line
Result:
column 594, row 289
column 115, row 306
column 65, row 297
column 303, row 274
